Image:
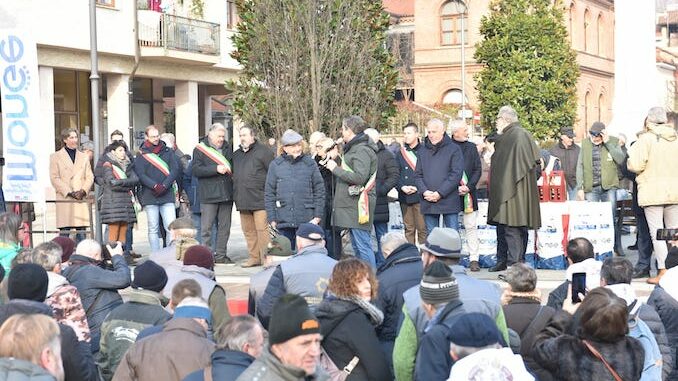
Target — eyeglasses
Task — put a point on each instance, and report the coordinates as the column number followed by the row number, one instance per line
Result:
column 595, row 134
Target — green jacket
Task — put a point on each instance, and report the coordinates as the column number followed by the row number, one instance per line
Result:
column 7, row 252
column 611, row 156
column 360, row 154
column 269, row 368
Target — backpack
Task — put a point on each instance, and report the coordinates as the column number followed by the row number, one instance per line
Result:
column 652, row 366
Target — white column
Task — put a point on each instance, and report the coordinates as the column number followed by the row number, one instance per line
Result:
column 187, row 127
column 117, row 93
column 207, row 112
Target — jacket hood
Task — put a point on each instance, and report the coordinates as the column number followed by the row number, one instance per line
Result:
column 380, row 146
column 589, row 266
column 669, row 282
column 23, row 306
column 404, row 253
column 445, row 141
column 198, row 270
column 663, row 131
column 55, row 281
column 358, row 139
column 229, row 357
column 331, row 311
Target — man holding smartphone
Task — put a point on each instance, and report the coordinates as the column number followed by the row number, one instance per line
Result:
column 598, row 171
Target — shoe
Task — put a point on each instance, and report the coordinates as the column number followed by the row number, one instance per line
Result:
column 474, row 266
column 633, row 247
column 134, row 255
column 619, row 253
column 498, row 267
column 224, row 261
column 640, row 273
column 130, row 261
column 250, row 263
column 656, row 279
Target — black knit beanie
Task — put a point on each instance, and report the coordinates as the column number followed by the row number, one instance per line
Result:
column 150, row 276
column 290, row 318
column 27, row 281
column 438, row 285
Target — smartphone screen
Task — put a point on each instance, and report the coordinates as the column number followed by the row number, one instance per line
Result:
column 578, row 286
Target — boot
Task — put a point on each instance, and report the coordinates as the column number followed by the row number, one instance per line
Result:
column 250, row 263
column 656, row 279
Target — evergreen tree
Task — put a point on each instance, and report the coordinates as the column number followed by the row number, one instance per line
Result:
column 307, row 64
column 528, row 64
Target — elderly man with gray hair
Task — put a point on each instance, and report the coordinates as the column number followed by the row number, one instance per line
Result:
column 212, row 159
column 242, row 341
column 514, row 196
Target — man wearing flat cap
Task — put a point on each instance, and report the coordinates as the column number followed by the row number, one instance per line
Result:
column 295, row 191
column 305, row 274
column 294, row 341
column 442, row 245
column 598, row 171
column 568, row 153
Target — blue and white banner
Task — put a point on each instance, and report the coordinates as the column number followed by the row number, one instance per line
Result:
column 26, row 156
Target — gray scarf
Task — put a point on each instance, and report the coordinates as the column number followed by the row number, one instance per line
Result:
column 375, row 314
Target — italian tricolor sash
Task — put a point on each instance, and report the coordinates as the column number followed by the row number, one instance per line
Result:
column 410, row 157
column 363, row 197
column 215, row 156
column 161, row 166
column 118, row 173
column 468, row 199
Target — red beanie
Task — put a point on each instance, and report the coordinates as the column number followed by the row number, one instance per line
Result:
column 199, row 255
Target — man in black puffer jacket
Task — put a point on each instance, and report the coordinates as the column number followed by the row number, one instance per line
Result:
column 295, row 191
column 27, row 289
column 388, row 175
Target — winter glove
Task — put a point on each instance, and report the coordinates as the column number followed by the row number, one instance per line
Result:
column 79, row 195
column 159, row 190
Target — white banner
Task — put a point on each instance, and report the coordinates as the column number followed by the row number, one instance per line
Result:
column 25, row 172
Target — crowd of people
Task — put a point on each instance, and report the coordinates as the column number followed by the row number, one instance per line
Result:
column 403, row 309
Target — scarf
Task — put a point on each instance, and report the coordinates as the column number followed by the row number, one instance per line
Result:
column 508, row 295
column 120, row 163
column 153, row 149
column 374, row 313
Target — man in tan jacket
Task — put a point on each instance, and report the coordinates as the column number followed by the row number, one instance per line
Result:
column 71, row 175
column 653, row 158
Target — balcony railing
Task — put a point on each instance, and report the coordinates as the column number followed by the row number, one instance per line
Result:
column 178, row 33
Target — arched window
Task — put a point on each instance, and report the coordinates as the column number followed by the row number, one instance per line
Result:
column 587, row 104
column 601, row 106
column 453, row 96
column 599, row 36
column 450, row 22
column 587, row 30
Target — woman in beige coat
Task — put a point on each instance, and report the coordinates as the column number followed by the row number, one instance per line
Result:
column 71, row 175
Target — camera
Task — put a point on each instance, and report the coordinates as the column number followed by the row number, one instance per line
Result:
column 667, row 234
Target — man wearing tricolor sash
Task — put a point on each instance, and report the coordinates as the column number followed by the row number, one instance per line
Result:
column 467, row 189
column 355, row 195
column 408, row 195
column 438, row 176
column 157, row 169
column 212, row 159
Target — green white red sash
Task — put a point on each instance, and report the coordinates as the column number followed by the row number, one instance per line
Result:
column 363, row 197
column 410, row 157
column 119, row 174
column 215, row 156
column 161, row 166
column 468, row 199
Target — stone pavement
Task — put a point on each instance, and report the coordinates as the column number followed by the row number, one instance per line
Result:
column 235, row 279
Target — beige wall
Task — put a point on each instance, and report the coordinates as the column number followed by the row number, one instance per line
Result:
column 437, row 68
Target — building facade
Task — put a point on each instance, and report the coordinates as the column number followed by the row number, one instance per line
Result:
column 180, row 57
column 437, row 69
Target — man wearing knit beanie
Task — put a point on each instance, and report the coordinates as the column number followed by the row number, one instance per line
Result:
column 198, row 265
column 440, row 298
column 143, row 309
column 294, row 344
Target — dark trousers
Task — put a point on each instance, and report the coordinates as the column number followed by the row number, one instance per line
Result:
column 515, row 240
column 644, row 242
column 291, row 234
column 221, row 213
column 333, row 242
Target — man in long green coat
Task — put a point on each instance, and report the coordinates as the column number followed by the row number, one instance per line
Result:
column 514, row 196
column 355, row 195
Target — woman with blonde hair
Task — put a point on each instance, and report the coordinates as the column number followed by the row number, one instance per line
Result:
column 348, row 320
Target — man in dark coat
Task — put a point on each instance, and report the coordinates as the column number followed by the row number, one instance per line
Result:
column 242, row 341
column 439, row 169
column 98, row 287
column 514, row 197
column 467, row 190
column 408, row 194
column 387, row 179
column 401, row 270
column 250, row 166
column 664, row 299
column 158, row 170
column 295, row 191
column 355, row 195
column 568, row 153
column 212, row 166
column 27, row 289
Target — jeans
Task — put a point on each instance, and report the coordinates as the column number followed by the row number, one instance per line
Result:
column 380, row 229
column 362, row 245
column 610, row 195
column 153, row 213
column 644, row 242
column 571, row 193
column 449, row 221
